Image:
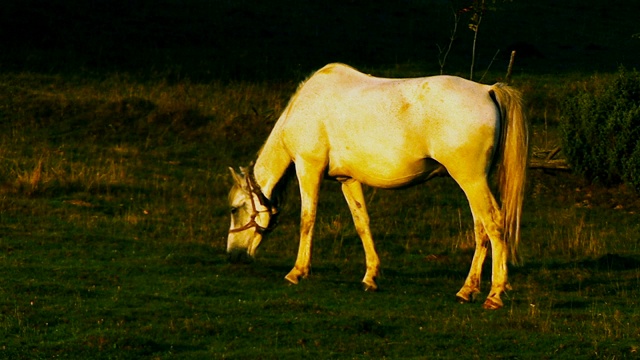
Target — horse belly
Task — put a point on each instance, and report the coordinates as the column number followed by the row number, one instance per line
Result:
column 383, row 172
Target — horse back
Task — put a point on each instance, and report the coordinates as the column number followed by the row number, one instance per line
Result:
column 387, row 128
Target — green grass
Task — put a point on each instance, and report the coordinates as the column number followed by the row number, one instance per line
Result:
column 113, row 224
column 114, row 181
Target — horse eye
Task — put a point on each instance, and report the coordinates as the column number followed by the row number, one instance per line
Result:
column 234, row 210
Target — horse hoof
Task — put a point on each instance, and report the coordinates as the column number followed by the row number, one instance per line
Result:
column 292, row 279
column 491, row 304
column 370, row 287
column 462, row 300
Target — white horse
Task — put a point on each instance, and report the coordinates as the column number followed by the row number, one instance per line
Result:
column 390, row 133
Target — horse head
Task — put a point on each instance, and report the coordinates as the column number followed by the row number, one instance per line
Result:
column 252, row 215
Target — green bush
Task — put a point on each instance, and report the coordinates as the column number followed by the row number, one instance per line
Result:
column 600, row 127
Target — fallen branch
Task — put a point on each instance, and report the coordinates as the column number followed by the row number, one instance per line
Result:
column 544, row 159
column 559, row 164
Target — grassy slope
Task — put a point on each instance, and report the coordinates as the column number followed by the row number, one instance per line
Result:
column 113, row 196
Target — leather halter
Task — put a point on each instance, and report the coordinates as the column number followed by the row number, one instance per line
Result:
column 254, row 189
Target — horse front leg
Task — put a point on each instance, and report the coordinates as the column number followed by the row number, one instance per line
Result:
column 352, row 191
column 309, row 186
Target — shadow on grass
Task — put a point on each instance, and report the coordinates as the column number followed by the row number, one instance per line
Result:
column 607, row 262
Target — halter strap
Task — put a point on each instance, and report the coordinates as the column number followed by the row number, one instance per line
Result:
column 254, row 189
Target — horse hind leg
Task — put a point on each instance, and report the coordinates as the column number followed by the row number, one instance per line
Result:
column 488, row 224
column 352, row 191
column 471, row 287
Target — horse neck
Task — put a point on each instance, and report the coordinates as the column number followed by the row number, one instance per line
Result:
column 271, row 164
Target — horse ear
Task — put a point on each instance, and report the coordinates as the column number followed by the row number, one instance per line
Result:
column 237, row 178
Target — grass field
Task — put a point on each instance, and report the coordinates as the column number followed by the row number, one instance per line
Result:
column 114, row 181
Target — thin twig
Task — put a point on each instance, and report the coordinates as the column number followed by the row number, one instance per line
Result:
column 442, row 59
column 473, row 50
column 491, row 63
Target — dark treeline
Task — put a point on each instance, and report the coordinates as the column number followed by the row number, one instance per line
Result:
column 239, row 39
column 252, row 39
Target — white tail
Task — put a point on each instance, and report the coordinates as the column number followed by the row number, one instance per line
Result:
column 513, row 157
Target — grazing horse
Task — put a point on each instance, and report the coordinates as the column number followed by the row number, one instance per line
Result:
column 390, row 133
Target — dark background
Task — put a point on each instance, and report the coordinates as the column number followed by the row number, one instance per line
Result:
column 264, row 40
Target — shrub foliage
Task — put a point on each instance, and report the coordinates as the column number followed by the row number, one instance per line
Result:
column 601, row 129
